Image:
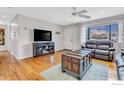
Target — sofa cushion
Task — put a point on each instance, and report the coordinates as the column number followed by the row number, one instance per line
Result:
column 91, row 46
column 101, row 56
column 107, row 42
column 102, row 52
column 103, row 47
column 91, row 42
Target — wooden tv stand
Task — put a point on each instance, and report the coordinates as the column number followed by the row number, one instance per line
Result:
column 42, row 48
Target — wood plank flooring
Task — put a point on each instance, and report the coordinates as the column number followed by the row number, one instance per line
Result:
column 30, row 68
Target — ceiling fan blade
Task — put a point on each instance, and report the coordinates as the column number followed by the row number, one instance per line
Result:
column 83, row 11
column 85, row 16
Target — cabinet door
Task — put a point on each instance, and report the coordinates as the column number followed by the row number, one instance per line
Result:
column 75, row 66
column 66, row 62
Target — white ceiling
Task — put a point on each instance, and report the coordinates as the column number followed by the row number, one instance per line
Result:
column 59, row 15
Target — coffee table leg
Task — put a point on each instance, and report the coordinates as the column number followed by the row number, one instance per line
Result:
column 79, row 78
column 63, row 70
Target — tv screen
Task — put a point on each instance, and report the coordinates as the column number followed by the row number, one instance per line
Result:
column 42, row 35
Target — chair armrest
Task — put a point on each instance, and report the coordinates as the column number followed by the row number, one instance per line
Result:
column 111, row 49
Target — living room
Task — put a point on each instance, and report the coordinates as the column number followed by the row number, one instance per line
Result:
column 67, row 31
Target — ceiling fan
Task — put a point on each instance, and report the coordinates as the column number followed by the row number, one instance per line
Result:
column 80, row 13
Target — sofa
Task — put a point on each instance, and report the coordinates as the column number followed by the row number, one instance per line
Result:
column 120, row 66
column 100, row 49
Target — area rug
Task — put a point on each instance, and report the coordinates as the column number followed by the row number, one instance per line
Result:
column 97, row 71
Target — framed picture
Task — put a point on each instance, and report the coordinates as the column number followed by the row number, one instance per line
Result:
column 2, row 36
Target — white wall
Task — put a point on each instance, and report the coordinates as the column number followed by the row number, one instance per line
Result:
column 25, row 34
column 7, row 42
column 83, row 30
column 14, row 39
column 75, row 33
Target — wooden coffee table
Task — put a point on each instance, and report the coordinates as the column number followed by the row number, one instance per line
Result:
column 77, row 63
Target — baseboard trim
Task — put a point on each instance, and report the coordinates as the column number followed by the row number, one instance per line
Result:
column 24, row 58
column 67, row 49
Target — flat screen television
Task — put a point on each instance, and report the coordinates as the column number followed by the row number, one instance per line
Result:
column 42, row 35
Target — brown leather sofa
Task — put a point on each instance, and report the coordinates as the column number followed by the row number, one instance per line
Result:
column 101, row 49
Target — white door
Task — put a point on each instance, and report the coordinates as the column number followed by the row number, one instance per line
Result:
column 68, row 39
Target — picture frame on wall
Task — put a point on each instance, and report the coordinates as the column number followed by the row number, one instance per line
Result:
column 2, row 36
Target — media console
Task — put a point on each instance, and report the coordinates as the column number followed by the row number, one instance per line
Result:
column 41, row 48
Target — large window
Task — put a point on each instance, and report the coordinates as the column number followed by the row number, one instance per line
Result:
column 103, row 32
column 114, row 32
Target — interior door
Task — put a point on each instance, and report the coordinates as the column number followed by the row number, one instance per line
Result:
column 68, row 39
column 72, row 38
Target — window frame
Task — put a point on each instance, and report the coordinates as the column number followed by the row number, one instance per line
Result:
column 110, row 30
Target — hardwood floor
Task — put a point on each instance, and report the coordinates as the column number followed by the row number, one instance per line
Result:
column 30, row 68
